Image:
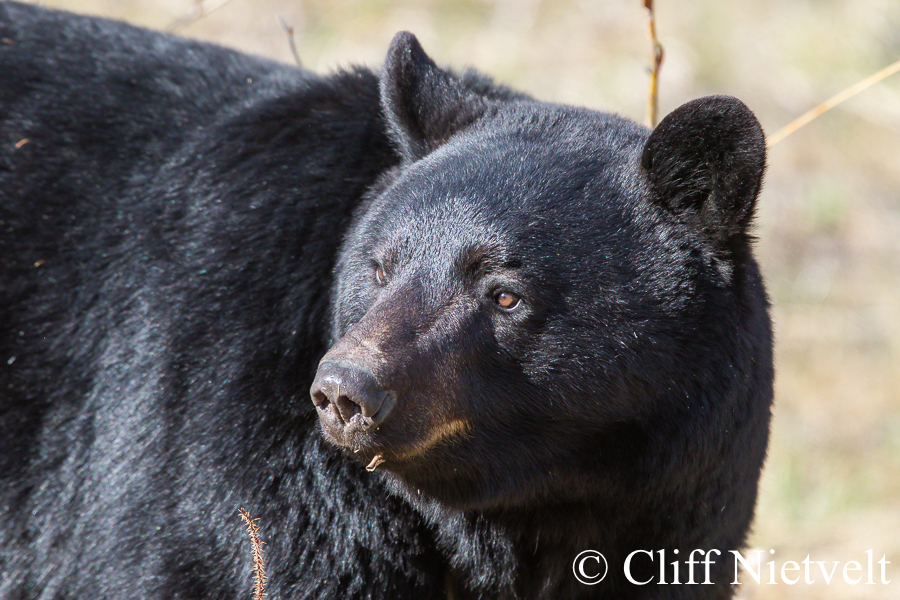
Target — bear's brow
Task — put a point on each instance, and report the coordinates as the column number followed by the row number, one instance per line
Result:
column 386, row 255
column 479, row 258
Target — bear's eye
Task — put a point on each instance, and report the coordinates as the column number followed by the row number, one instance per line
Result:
column 380, row 277
column 506, row 300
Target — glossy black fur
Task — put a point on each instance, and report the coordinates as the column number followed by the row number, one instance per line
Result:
column 185, row 231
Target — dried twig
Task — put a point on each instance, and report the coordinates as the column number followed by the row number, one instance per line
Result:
column 379, row 458
column 289, row 32
column 831, row 103
column 201, row 9
column 656, row 59
column 259, row 565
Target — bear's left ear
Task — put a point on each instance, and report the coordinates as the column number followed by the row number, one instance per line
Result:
column 424, row 105
column 705, row 162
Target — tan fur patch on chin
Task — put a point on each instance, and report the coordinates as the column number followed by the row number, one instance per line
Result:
column 443, row 431
column 440, row 433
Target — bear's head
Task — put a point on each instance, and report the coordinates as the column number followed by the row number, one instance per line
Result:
column 546, row 302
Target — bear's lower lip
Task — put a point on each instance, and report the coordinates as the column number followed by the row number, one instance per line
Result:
column 363, row 441
column 360, row 445
column 352, row 435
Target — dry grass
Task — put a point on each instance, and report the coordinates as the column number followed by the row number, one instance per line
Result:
column 258, row 555
column 829, row 223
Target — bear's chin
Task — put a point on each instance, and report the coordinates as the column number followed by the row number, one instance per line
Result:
column 435, row 476
column 431, row 488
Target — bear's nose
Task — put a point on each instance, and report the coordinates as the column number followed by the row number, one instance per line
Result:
column 343, row 390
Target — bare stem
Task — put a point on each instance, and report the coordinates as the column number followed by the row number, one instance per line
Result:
column 259, row 565
column 289, row 32
column 656, row 59
column 832, row 102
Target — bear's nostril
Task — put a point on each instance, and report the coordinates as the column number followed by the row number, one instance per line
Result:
column 319, row 398
column 347, row 408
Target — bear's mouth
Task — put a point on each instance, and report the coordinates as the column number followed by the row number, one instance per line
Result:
column 354, row 434
column 361, row 441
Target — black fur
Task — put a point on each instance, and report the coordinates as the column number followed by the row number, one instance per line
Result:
column 185, row 232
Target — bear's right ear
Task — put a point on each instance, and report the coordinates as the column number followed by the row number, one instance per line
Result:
column 424, row 105
column 705, row 162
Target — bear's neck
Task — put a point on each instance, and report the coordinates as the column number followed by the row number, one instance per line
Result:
column 531, row 550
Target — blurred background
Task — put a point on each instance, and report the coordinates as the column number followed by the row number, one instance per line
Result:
column 829, row 217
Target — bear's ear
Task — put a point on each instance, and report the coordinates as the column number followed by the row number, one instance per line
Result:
column 424, row 105
column 705, row 162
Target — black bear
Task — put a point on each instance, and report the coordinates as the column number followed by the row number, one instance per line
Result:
column 440, row 338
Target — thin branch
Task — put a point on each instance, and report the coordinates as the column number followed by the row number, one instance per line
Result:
column 199, row 11
column 656, row 59
column 259, row 564
column 832, row 102
column 289, row 32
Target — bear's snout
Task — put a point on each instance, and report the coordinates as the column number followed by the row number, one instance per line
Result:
column 347, row 395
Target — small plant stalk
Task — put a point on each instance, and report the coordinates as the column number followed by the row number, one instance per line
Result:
column 656, row 59
column 259, row 565
column 824, row 107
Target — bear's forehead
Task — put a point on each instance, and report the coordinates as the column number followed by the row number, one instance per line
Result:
column 516, row 188
column 511, row 173
column 507, row 181
column 440, row 234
